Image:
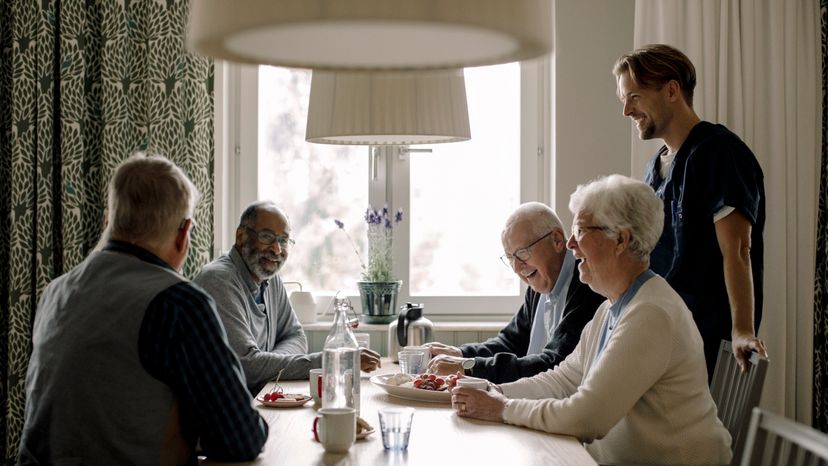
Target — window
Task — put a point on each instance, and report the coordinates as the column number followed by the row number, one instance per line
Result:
column 455, row 198
column 313, row 183
column 461, row 193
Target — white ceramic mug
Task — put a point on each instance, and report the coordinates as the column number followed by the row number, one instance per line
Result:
column 335, row 429
column 304, row 306
column 315, row 385
column 473, row 382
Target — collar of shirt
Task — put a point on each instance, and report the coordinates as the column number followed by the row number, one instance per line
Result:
column 261, row 310
column 564, row 277
column 549, row 309
column 261, row 293
column 617, row 308
column 555, row 300
column 137, row 251
column 244, row 272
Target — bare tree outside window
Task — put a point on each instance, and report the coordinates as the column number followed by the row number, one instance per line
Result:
column 460, row 194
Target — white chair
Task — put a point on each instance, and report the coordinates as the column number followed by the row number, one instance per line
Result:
column 773, row 440
column 736, row 394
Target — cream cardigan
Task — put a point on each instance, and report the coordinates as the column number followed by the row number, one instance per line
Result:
column 645, row 400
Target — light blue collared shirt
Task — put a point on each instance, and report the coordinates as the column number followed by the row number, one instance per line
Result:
column 617, row 309
column 550, row 308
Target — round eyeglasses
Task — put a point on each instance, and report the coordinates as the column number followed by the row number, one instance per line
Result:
column 267, row 238
column 579, row 231
column 523, row 254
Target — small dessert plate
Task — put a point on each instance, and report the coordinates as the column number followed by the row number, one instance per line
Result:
column 289, row 401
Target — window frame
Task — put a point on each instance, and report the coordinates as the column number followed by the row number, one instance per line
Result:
column 236, row 180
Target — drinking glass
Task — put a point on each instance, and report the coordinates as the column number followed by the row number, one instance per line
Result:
column 395, row 424
column 411, row 362
column 363, row 340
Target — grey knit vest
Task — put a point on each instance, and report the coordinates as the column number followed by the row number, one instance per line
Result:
column 89, row 400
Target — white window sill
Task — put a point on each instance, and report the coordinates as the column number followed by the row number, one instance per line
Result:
column 438, row 326
column 453, row 333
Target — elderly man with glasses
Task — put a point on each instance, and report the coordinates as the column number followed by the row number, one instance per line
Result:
column 555, row 309
column 253, row 304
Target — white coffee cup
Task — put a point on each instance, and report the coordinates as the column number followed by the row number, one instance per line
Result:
column 473, row 382
column 315, row 385
column 335, row 429
column 304, row 306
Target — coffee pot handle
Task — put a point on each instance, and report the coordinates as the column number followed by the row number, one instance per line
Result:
column 402, row 338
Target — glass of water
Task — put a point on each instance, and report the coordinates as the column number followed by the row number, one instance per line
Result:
column 395, row 425
column 411, row 362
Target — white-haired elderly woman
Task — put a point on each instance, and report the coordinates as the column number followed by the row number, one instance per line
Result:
column 635, row 388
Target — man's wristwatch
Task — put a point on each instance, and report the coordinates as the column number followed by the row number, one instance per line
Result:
column 467, row 365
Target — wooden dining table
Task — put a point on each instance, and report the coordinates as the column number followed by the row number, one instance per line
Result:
column 438, row 435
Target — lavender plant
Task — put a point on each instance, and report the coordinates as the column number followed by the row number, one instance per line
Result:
column 380, row 241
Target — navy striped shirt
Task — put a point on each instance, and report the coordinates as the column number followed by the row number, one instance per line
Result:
column 183, row 344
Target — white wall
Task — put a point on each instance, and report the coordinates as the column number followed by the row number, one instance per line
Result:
column 590, row 136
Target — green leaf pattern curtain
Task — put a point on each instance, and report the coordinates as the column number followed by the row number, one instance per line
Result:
column 83, row 84
column 820, row 406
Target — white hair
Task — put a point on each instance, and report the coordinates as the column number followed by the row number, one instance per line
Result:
column 620, row 203
column 148, row 199
column 540, row 217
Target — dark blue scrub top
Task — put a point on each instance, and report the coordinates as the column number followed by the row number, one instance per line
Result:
column 712, row 169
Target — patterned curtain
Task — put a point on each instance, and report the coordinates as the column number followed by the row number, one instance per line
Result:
column 83, row 84
column 821, row 276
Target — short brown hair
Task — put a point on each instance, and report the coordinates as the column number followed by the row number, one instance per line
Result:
column 652, row 66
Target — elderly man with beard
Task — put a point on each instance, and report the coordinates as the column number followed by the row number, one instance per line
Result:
column 253, row 305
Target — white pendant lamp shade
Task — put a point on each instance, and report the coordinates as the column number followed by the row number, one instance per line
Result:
column 385, row 108
column 371, row 34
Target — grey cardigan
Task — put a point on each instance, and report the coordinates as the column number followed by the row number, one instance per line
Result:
column 266, row 337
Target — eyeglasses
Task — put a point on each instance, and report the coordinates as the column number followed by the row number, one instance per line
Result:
column 522, row 254
column 578, row 231
column 267, row 237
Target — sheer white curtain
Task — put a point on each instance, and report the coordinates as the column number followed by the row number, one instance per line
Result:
column 758, row 67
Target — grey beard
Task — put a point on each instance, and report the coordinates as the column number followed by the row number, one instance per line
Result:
column 251, row 258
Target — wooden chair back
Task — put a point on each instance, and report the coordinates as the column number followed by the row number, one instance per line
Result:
column 774, row 440
column 736, row 394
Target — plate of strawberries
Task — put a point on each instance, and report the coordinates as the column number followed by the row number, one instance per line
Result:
column 279, row 399
column 424, row 387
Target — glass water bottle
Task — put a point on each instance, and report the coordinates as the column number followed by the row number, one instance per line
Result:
column 340, row 362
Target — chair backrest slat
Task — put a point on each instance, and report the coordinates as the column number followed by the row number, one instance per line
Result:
column 736, row 394
column 774, row 440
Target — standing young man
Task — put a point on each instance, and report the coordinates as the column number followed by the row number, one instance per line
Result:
column 714, row 201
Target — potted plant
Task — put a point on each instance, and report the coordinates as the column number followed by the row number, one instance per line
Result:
column 378, row 289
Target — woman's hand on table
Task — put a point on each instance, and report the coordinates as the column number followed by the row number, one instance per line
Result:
column 369, row 360
column 478, row 404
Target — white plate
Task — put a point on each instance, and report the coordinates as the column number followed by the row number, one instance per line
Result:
column 285, row 402
column 410, row 393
